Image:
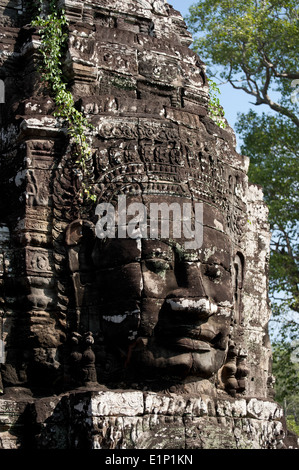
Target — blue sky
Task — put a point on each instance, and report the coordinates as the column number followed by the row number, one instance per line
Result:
column 232, row 101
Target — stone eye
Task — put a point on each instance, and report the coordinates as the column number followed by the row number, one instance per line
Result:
column 158, row 265
column 213, row 272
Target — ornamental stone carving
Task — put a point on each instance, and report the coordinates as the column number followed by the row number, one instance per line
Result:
column 111, row 340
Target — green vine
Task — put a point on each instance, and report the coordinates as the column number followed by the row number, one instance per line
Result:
column 53, row 29
column 215, row 109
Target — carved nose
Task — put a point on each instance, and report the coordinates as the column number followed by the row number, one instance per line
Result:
column 194, row 308
column 191, row 281
column 190, row 302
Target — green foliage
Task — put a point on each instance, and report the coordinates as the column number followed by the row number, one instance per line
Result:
column 215, row 110
column 54, row 34
column 245, row 29
column 286, row 372
column 254, row 44
column 292, row 425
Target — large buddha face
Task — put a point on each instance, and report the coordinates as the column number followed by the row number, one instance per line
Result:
column 166, row 309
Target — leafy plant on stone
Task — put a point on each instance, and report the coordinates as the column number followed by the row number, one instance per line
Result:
column 54, row 34
column 216, row 112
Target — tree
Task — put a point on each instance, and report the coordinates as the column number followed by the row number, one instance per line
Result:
column 286, row 372
column 255, row 43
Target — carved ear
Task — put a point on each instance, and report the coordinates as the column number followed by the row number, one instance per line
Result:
column 238, row 277
column 239, row 265
column 75, row 230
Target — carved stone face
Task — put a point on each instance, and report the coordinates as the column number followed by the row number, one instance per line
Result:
column 164, row 308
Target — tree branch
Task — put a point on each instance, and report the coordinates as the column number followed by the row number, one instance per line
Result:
column 264, row 99
column 280, row 109
column 269, row 65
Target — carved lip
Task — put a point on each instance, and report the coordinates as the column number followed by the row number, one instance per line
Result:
column 193, row 338
column 196, row 338
column 204, row 333
column 192, row 345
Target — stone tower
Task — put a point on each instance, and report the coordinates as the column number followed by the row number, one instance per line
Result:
column 137, row 340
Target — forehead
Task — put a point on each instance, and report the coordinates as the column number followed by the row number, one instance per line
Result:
column 215, row 249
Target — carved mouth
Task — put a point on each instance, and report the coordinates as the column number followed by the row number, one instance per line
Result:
column 203, row 332
column 200, row 338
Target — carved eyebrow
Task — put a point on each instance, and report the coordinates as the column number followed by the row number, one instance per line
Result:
column 158, row 263
column 213, row 270
column 216, row 265
column 159, row 254
column 162, row 250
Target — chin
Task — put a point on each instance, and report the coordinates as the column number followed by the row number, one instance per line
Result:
column 154, row 360
column 206, row 364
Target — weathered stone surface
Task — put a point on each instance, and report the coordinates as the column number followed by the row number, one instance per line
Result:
column 146, row 420
column 184, row 325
